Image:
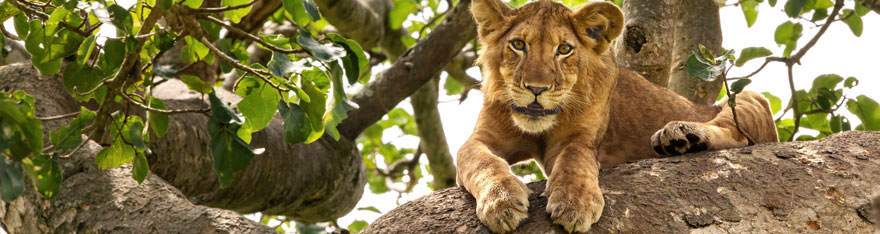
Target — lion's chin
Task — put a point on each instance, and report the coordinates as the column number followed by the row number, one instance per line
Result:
column 533, row 124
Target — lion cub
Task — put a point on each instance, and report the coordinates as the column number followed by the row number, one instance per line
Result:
column 554, row 94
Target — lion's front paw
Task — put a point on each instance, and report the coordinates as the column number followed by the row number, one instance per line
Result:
column 679, row 137
column 574, row 207
column 503, row 205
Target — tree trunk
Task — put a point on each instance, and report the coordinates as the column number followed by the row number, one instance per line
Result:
column 697, row 22
column 645, row 46
column 794, row 187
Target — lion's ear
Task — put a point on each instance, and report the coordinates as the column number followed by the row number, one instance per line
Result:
column 600, row 22
column 490, row 15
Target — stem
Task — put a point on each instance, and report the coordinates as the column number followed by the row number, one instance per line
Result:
column 238, row 65
column 222, row 9
column 151, row 109
column 236, row 30
column 733, row 109
column 58, row 117
column 794, row 105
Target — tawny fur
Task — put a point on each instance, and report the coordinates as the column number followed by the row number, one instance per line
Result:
column 608, row 115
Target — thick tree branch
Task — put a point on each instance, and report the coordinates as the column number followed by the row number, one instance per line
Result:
column 697, row 22
column 417, row 66
column 645, row 46
column 433, row 139
column 794, row 187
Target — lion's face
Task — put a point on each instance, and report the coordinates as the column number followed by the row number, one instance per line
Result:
column 539, row 56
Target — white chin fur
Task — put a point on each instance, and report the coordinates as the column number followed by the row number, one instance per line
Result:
column 532, row 124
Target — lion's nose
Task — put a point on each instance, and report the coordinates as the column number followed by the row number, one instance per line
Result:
column 537, row 90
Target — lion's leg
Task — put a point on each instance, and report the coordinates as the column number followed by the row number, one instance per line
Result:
column 755, row 118
column 502, row 200
column 574, row 199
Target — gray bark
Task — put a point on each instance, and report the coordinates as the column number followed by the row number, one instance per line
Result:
column 820, row 186
column 645, row 46
column 697, row 22
column 432, row 138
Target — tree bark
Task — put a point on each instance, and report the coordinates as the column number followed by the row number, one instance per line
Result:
column 871, row 4
column 432, row 138
column 697, row 22
column 794, row 187
column 645, row 46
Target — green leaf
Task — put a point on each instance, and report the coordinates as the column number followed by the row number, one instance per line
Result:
column 312, row 9
column 370, row 208
column 819, row 14
column 752, row 53
column 401, row 10
column 793, row 7
column 280, row 65
column 297, row 9
column 258, row 107
column 750, row 11
column 46, row 174
column 854, row 21
column 231, row 153
column 194, row 4
column 114, row 52
column 136, row 134
column 79, row 78
column 193, row 51
column 357, row 226
column 221, row 112
column 22, row 27
column 707, row 54
column 323, row 52
column 235, row 15
column 196, row 84
column 84, row 52
column 867, row 110
column 356, row 63
column 21, row 132
column 69, row 137
column 52, row 23
column 827, row 81
column 165, row 4
column 738, row 86
column 165, row 40
column 115, row 155
column 297, row 126
column 822, row 4
column 314, row 109
column 787, row 34
column 341, row 104
column 850, row 82
column 140, row 167
column 775, row 102
column 452, row 86
column 121, row 19
column 7, row 10
column 158, row 121
column 861, row 10
column 11, row 182
column 703, row 69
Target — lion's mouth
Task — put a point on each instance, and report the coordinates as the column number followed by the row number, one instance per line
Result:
column 534, row 109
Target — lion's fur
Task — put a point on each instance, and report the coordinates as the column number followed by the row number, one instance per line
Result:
column 608, row 114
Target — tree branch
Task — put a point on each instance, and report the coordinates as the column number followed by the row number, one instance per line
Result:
column 792, row 187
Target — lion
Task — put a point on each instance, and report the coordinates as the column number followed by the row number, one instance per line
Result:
column 553, row 93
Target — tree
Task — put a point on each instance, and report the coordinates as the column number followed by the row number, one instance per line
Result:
column 88, row 111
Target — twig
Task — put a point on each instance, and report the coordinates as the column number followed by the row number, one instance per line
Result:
column 797, row 57
column 239, row 66
column 794, row 102
column 45, row 16
column 174, row 111
column 222, row 9
column 58, row 117
column 237, row 30
column 733, row 109
column 8, row 35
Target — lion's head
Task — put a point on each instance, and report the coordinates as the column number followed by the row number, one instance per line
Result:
column 543, row 59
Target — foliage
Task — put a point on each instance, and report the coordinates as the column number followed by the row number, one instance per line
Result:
column 125, row 69
column 816, row 108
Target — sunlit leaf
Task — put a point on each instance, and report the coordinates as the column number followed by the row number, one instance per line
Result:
column 867, row 110
column 793, row 7
column 750, row 10
column 196, row 84
column 854, row 21
column 752, row 53
column 775, row 102
column 357, row 226
column 259, row 107
column 158, row 121
column 70, row 136
column 355, row 62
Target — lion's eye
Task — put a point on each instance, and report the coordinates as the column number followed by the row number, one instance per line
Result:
column 518, row 44
column 564, row 49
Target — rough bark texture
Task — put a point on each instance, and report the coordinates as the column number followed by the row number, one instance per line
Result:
column 697, row 22
column 803, row 187
column 645, row 46
column 872, row 4
column 431, row 135
column 413, row 69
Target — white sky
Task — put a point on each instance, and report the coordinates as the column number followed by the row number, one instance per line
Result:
column 838, row 51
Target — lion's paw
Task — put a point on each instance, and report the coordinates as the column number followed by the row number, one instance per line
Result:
column 504, row 206
column 573, row 207
column 679, row 137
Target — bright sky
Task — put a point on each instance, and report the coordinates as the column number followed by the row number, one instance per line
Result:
column 838, row 51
